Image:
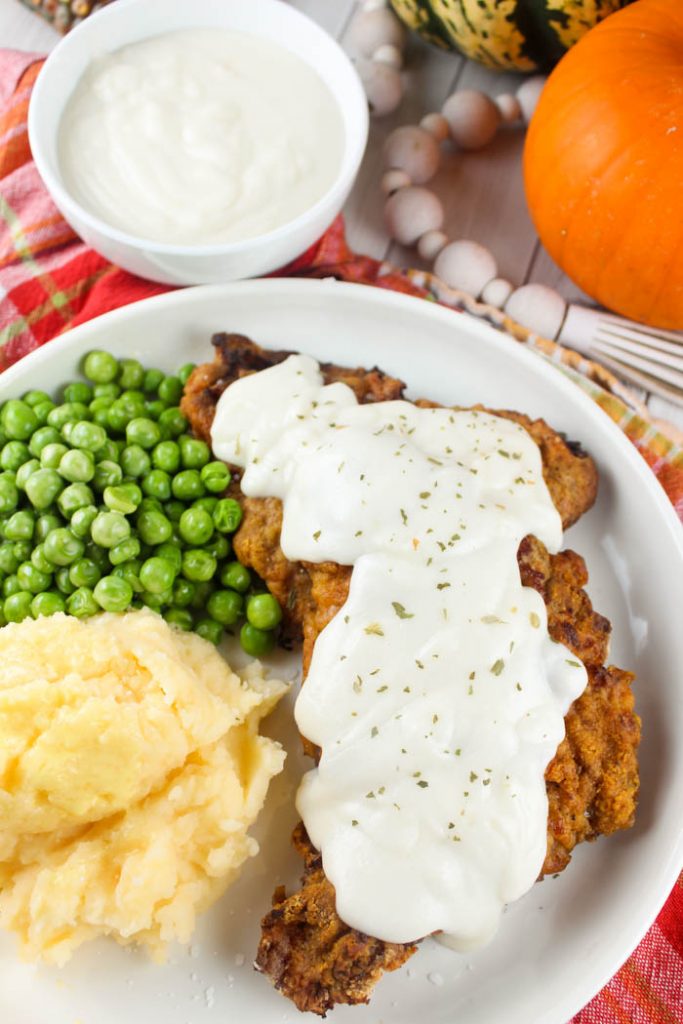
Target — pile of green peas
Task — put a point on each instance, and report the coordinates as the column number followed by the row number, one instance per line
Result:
column 107, row 502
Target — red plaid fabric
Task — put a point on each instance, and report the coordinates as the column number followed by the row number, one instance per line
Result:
column 51, row 281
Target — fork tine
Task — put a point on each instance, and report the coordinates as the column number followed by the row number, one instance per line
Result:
column 666, row 373
column 646, row 345
column 643, row 380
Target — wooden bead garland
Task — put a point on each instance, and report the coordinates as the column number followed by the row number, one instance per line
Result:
column 414, row 214
column 380, row 37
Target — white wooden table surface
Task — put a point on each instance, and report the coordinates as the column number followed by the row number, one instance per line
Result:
column 482, row 192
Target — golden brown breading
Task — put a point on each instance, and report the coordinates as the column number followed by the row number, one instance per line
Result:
column 311, row 956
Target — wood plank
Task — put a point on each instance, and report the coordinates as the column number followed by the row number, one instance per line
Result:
column 332, row 15
column 21, row 29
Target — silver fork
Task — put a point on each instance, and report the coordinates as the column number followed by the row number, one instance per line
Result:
column 646, row 356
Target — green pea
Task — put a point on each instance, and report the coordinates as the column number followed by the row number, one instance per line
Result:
column 208, row 503
column 227, row 515
column 154, row 527
column 113, row 594
column 9, row 562
column 40, row 561
column 153, row 410
column 196, row 526
column 87, row 436
column 52, row 454
column 172, row 422
column 157, row 484
column 98, row 554
column 131, row 374
column 49, row 603
column 203, row 589
column 194, row 454
column 256, row 642
column 42, row 437
column 100, row 367
column 101, row 418
column 153, row 601
column 109, row 529
column 263, row 611
column 76, row 466
column 122, row 498
column 79, row 391
column 198, row 565
column 183, row 593
column 15, row 454
column 110, row 391
column 174, row 510
column 109, row 452
column 236, row 576
column 25, row 471
column 215, row 477
column 84, row 573
column 135, row 461
column 130, row 571
column 64, row 584
column 187, row 485
column 180, row 618
column 184, row 372
column 17, row 606
column 20, row 525
column 124, row 551
column 143, row 431
column 70, row 412
column 35, row 397
column 44, row 523
column 209, row 630
column 9, row 495
column 43, row 487
column 218, row 546
column 18, row 420
column 100, row 404
column 166, row 456
column 172, row 554
column 74, row 497
column 157, row 575
column 32, row 579
column 118, row 416
column 152, row 380
column 10, row 586
column 170, row 390
column 151, row 505
column 81, row 603
column 62, row 548
column 43, row 411
column 22, row 549
column 82, row 520
column 226, row 607
column 107, row 474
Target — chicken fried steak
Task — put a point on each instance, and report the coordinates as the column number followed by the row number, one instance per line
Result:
column 310, row 955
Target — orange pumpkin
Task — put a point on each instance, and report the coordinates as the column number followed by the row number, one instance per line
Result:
column 603, row 163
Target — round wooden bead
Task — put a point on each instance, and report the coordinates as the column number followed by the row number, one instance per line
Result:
column 382, row 84
column 413, row 150
column 411, row 212
column 529, row 93
column 376, row 27
column 430, row 244
column 465, row 265
column 537, row 307
column 473, row 118
column 509, row 107
column 436, row 125
column 392, row 181
column 496, row 292
column 388, row 54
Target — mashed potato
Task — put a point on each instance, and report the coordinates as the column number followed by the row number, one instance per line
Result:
column 130, row 770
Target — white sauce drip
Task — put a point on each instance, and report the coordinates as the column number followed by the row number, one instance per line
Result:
column 435, row 693
column 200, row 136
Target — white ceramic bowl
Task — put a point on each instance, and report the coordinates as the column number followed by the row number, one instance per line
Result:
column 128, row 21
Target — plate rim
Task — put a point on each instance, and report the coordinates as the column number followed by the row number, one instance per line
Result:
column 318, row 289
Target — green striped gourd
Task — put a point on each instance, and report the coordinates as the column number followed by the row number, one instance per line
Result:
column 509, row 35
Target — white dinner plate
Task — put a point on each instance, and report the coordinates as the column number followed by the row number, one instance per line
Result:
column 559, row 944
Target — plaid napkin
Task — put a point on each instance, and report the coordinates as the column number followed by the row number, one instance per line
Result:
column 50, row 281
